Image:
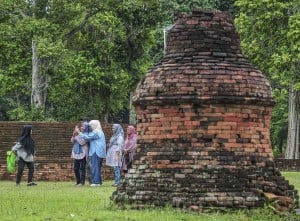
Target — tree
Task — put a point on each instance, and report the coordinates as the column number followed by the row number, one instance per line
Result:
column 87, row 56
column 62, row 60
column 15, row 60
column 270, row 33
column 116, row 41
column 25, row 21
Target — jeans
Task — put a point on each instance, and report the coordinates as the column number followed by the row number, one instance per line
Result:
column 117, row 172
column 88, row 170
column 96, row 165
column 21, row 165
column 79, row 170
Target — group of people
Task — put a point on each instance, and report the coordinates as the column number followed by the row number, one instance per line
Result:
column 89, row 151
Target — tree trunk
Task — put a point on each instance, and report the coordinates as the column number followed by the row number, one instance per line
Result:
column 39, row 81
column 297, row 134
column 132, row 114
column 292, row 149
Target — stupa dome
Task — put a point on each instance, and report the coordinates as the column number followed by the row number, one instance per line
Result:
column 204, row 63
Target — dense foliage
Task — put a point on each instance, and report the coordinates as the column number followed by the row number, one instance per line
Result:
column 90, row 54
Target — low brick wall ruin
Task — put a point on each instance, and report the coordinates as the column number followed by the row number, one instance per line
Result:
column 287, row 164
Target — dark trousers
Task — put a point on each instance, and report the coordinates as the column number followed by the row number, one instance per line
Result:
column 79, row 170
column 21, row 166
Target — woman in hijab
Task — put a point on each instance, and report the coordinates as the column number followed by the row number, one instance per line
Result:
column 114, row 152
column 25, row 155
column 129, row 148
column 97, row 150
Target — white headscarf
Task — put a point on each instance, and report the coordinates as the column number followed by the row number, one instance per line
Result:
column 95, row 125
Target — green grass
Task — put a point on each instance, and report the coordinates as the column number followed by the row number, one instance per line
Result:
column 51, row 201
column 293, row 178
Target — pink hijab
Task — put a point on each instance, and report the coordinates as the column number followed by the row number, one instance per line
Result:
column 131, row 139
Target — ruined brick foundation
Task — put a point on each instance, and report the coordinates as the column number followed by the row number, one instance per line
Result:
column 203, row 119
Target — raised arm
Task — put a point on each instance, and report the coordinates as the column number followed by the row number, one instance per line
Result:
column 91, row 136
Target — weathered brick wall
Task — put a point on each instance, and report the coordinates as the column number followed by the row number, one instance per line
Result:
column 287, row 164
column 203, row 152
column 53, row 162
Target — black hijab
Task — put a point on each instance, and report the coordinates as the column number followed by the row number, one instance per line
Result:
column 26, row 140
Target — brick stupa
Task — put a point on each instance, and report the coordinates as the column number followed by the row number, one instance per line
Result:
column 203, row 119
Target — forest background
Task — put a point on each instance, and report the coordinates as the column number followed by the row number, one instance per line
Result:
column 61, row 60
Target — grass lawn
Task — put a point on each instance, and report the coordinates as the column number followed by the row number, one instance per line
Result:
column 51, row 201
